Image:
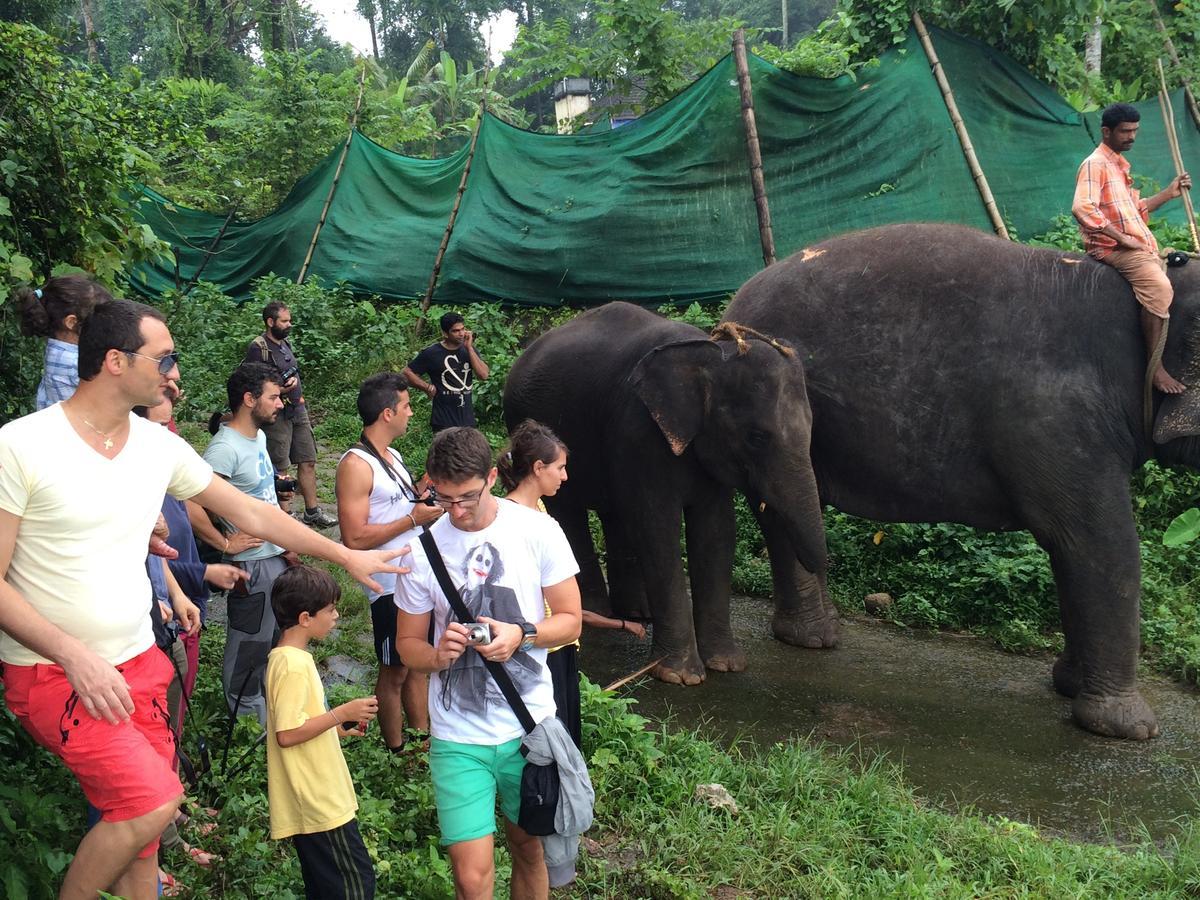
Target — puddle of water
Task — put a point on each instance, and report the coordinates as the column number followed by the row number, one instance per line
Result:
column 970, row 724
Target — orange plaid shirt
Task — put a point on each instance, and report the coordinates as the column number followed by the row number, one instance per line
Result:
column 1105, row 195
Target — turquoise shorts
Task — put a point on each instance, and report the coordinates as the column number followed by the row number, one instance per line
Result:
column 466, row 778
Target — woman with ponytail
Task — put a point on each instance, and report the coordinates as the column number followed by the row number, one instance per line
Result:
column 533, row 465
column 56, row 311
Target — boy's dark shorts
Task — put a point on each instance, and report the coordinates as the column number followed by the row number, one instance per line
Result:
column 335, row 864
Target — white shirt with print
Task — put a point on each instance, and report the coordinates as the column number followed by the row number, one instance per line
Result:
column 500, row 572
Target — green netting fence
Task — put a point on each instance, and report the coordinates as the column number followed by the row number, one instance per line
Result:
column 661, row 210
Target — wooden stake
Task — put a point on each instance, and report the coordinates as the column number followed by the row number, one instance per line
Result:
column 212, row 249
column 462, row 187
column 1170, row 47
column 765, row 235
column 621, row 682
column 1168, row 112
column 337, row 176
column 960, row 128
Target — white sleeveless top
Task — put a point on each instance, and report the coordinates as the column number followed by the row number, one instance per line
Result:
column 388, row 503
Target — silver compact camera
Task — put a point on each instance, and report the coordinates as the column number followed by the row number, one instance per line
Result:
column 478, row 632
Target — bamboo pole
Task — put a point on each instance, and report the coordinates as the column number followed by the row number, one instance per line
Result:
column 1168, row 111
column 337, row 176
column 960, row 128
column 462, row 187
column 766, row 236
column 621, row 682
column 1170, row 47
column 211, row 249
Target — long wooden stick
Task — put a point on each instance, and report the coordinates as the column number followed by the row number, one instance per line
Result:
column 462, row 188
column 960, row 128
column 765, row 234
column 212, row 248
column 1168, row 111
column 337, row 176
column 1170, row 47
column 621, row 682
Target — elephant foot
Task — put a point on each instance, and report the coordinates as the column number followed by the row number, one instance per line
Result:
column 680, row 668
column 814, row 633
column 1067, row 680
column 724, row 656
column 1124, row 715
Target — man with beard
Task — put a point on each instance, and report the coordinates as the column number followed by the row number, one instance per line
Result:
column 1114, row 220
column 516, row 573
column 290, row 437
column 238, row 453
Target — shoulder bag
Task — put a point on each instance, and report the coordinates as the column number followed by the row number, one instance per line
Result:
column 539, row 784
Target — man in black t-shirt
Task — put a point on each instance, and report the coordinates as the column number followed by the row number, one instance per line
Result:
column 451, row 365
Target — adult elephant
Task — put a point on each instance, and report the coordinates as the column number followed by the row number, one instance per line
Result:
column 955, row 376
column 663, row 425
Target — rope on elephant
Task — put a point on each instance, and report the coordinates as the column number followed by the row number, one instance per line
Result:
column 732, row 331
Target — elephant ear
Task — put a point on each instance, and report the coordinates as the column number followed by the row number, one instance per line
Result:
column 1179, row 414
column 673, row 382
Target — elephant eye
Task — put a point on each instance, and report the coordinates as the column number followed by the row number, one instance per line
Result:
column 758, row 438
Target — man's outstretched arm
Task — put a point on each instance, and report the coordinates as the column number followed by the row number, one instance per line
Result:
column 270, row 522
column 1178, row 185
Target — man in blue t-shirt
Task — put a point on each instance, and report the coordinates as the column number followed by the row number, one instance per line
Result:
column 238, row 453
column 452, row 365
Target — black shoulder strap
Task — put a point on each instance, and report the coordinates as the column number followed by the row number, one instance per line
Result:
column 386, row 461
column 503, row 681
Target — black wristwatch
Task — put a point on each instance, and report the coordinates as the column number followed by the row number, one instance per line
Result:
column 530, row 635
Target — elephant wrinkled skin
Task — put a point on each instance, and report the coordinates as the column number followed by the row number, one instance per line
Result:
column 954, row 376
column 663, row 424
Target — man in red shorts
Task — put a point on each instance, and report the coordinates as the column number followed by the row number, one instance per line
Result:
column 81, row 483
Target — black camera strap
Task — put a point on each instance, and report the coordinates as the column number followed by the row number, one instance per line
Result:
column 407, row 487
column 503, row 681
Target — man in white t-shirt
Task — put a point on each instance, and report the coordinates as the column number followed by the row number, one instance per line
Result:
column 81, row 485
column 504, row 559
column 238, row 453
column 380, row 507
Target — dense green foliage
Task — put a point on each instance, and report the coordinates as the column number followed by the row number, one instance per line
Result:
column 224, row 106
column 812, row 822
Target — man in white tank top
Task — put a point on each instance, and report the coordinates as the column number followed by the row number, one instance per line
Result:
column 379, row 507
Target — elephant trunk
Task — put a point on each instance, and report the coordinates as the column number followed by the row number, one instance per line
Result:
column 796, row 505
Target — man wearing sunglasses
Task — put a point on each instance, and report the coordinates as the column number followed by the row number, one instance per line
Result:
column 380, row 507
column 81, row 484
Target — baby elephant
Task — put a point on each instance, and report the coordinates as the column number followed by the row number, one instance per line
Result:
column 663, row 424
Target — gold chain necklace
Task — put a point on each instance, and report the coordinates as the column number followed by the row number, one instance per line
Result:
column 108, row 442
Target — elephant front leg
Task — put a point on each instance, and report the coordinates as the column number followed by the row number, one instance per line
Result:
column 803, row 617
column 573, row 519
column 1098, row 571
column 656, row 534
column 626, row 589
column 710, row 541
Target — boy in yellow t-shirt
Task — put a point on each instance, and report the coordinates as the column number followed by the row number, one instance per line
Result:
column 308, row 785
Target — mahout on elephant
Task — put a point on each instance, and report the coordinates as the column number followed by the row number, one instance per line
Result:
column 955, row 376
column 663, row 424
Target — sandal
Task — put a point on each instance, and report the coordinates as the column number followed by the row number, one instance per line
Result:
column 201, row 857
column 170, row 884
